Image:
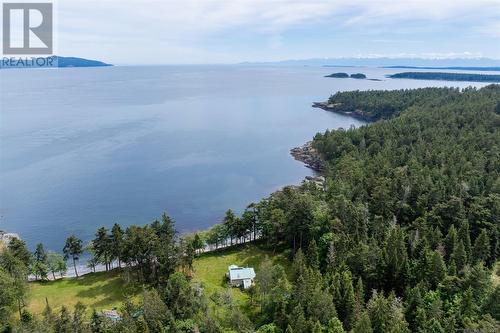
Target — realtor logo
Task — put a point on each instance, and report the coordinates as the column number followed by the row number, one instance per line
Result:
column 27, row 28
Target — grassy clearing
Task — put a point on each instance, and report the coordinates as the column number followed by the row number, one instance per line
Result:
column 210, row 269
column 103, row 290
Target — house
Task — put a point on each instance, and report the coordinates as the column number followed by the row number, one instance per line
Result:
column 111, row 314
column 241, row 276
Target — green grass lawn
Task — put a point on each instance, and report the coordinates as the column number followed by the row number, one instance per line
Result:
column 105, row 290
column 210, row 269
column 102, row 290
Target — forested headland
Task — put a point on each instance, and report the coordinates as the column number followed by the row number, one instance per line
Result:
column 374, row 105
column 404, row 237
column 470, row 77
column 460, row 68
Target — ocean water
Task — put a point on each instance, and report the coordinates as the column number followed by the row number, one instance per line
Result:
column 82, row 148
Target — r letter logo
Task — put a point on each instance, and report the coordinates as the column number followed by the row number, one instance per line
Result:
column 29, row 27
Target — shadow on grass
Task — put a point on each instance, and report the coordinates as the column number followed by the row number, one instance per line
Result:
column 108, row 287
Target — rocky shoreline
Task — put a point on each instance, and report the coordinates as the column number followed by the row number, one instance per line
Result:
column 334, row 107
column 309, row 156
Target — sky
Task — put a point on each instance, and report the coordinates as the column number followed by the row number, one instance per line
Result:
column 232, row 31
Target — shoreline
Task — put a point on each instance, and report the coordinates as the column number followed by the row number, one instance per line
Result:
column 305, row 154
column 358, row 114
column 310, row 157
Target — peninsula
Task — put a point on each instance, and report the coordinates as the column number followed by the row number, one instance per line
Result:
column 442, row 76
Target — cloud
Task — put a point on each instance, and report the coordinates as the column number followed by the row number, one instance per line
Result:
column 197, row 18
column 491, row 29
column 371, row 12
column 169, row 26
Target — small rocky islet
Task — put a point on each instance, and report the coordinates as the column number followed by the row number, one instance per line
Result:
column 345, row 75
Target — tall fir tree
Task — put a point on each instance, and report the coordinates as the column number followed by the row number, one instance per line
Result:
column 481, row 249
column 464, row 236
column 459, row 255
column 450, row 241
column 313, row 255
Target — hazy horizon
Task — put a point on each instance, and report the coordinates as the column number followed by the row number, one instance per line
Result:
column 236, row 31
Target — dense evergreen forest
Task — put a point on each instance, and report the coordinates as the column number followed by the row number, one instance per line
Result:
column 447, row 76
column 383, row 104
column 403, row 237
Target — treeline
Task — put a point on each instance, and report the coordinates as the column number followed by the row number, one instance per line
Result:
column 447, row 76
column 403, row 238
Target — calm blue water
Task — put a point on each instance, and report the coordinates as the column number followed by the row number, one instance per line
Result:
column 86, row 147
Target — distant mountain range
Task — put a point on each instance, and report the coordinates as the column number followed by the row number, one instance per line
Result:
column 52, row 61
column 385, row 62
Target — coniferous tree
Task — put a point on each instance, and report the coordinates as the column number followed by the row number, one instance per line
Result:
column 299, row 266
column 468, row 308
column 297, row 319
column 40, row 268
column 359, row 295
column 63, row 323
column 464, row 236
column 73, row 249
column 481, row 250
column 450, row 242
column 437, row 270
column 117, row 243
column 48, row 315
column 491, row 304
column 317, row 328
column 414, row 301
column 156, row 313
column 18, row 249
column 78, row 324
column 459, row 255
column 230, row 222
column 102, row 246
column 346, row 300
column 335, row 326
column 312, row 255
column 396, row 258
column 363, row 325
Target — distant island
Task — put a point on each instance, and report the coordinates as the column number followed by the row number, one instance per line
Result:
column 79, row 62
column 358, row 76
column 345, row 75
column 338, row 75
column 463, row 68
column 446, row 76
column 52, row 61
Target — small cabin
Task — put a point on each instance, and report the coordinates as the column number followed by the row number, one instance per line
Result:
column 241, row 276
column 111, row 314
